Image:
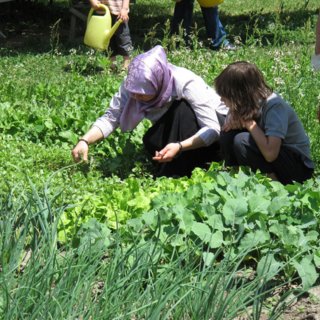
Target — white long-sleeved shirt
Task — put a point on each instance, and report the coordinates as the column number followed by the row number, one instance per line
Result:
column 202, row 98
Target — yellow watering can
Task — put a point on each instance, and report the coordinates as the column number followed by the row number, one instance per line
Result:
column 209, row 3
column 99, row 29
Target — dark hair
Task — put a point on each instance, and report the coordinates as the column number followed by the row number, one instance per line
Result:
column 243, row 84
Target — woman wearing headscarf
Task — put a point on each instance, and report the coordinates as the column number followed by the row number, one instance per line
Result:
column 183, row 109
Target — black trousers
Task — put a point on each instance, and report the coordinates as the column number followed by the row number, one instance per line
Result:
column 238, row 148
column 178, row 124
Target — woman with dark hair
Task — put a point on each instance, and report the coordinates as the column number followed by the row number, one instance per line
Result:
column 183, row 109
column 262, row 130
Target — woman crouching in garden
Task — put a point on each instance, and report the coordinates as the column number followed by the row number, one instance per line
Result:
column 183, row 109
column 262, row 130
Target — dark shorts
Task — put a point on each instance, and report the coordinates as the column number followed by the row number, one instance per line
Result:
column 120, row 43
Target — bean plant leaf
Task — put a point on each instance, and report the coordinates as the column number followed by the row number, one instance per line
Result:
column 312, row 235
column 268, row 266
column 254, row 238
column 178, row 209
column 178, row 240
column 308, row 220
column 234, row 209
column 135, row 224
column 316, row 258
column 289, row 235
column 306, row 271
column 278, row 203
column 94, row 234
column 215, row 222
column 194, row 191
column 216, row 240
column 202, row 231
column 186, row 220
column 208, row 258
column 258, row 203
column 150, row 218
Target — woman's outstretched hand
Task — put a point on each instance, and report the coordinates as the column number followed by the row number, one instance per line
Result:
column 168, row 153
column 80, row 151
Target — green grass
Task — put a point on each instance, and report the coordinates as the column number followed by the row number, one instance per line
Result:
column 50, row 93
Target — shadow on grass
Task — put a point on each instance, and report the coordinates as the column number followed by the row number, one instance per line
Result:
column 36, row 28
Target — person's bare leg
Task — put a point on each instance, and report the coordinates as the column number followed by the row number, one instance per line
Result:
column 126, row 62
column 113, row 65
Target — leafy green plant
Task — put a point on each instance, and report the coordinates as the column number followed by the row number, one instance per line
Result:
column 240, row 212
column 40, row 279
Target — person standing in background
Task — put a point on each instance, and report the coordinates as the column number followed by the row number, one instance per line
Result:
column 120, row 43
column 183, row 13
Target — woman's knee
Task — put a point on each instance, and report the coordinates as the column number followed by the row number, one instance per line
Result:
column 227, row 147
column 240, row 141
column 226, row 139
column 241, row 146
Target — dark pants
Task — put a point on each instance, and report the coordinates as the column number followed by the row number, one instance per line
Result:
column 178, row 124
column 215, row 30
column 120, row 42
column 238, row 148
column 183, row 12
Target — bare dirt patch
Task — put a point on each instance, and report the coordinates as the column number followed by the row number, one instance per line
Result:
column 306, row 307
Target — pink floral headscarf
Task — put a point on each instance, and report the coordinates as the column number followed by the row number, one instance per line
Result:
column 149, row 73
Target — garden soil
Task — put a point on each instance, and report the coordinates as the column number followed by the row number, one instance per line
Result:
column 305, row 308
